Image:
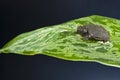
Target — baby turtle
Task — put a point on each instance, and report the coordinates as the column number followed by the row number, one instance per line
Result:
column 94, row 32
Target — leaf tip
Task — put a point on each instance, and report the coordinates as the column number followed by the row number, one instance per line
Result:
column 1, row 51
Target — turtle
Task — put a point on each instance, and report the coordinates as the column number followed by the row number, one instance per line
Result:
column 93, row 32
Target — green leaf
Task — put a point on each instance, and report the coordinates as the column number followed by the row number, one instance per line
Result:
column 62, row 42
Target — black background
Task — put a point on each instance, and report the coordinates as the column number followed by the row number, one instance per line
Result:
column 18, row 16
